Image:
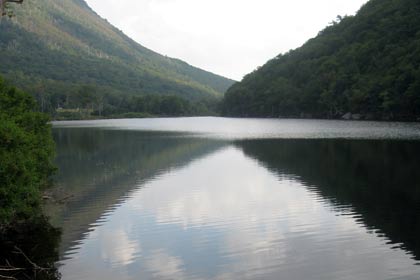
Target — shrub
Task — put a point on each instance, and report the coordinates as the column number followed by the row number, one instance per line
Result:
column 26, row 153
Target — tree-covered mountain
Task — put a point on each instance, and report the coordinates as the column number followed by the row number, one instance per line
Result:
column 59, row 50
column 367, row 64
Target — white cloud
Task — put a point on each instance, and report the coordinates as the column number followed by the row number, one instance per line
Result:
column 117, row 248
column 228, row 37
column 164, row 266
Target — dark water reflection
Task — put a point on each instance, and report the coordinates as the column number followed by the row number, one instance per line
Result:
column 380, row 180
column 154, row 205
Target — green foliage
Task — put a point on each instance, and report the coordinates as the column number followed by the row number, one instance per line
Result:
column 88, row 102
column 152, row 105
column 26, row 150
column 53, row 49
column 367, row 64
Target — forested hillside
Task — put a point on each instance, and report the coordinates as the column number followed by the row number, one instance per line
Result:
column 61, row 50
column 367, row 65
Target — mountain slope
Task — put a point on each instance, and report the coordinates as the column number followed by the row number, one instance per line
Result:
column 366, row 64
column 56, row 46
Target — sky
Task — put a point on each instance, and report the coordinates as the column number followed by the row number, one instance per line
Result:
column 227, row 37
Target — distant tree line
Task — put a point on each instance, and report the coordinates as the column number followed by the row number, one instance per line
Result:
column 88, row 101
column 368, row 64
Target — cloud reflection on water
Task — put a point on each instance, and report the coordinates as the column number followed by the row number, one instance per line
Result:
column 227, row 217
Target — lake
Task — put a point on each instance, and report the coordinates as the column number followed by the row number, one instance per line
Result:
column 217, row 198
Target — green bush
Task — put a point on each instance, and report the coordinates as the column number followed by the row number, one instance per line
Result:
column 26, row 152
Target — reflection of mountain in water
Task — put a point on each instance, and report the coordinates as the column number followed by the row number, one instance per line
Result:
column 379, row 179
column 99, row 168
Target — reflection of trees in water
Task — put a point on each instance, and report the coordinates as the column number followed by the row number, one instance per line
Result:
column 30, row 251
column 99, row 168
column 379, row 179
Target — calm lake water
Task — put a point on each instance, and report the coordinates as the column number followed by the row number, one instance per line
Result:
column 215, row 198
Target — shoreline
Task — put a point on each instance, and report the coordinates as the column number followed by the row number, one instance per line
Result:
column 238, row 117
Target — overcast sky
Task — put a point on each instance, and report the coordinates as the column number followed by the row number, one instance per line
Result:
column 227, row 37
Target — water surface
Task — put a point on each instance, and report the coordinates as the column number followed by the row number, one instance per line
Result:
column 213, row 198
column 231, row 128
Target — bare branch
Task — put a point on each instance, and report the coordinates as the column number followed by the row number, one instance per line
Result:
column 7, row 277
column 11, row 269
column 8, row 267
column 34, row 265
